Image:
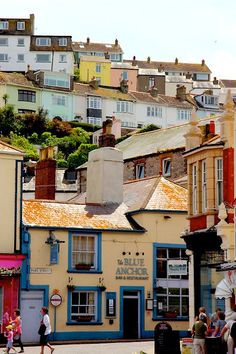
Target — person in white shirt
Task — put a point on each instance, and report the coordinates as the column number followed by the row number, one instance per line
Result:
column 44, row 337
column 230, row 341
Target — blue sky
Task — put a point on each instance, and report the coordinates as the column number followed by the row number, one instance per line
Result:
column 162, row 29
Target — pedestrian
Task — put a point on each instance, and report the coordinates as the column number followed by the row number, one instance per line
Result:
column 199, row 332
column 206, row 319
column 45, row 324
column 230, row 340
column 9, row 335
column 214, row 318
column 17, row 327
column 219, row 324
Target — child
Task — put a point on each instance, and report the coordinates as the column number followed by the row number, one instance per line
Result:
column 9, row 335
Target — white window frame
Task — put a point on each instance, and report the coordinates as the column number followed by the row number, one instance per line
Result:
column 94, row 121
column 194, row 189
column 4, row 57
column 4, row 41
column 43, row 61
column 125, row 75
column 20, row 58
column 43, row 41
column 59, row 100
column 20, row 44
column 90, row 305
column 84, row 254
column 154, row 111
column 151, row 82
column 204, row 186
column 4, row 25
column 55, row 81
column 20, row 25
column 98, row 68
column 62, row 42
column 166, row 171
column 124, row 107
column 94, row 102
column 62, row 58
column 183, row 114
column 139, row 171
column 219, row 180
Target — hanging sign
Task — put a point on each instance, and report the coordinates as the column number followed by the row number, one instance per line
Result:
column 177, row 267
column 56, row 300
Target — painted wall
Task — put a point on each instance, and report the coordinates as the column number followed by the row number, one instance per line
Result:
column 58, row 103
column 88, row 70
column 117, row 77
column 12, row 92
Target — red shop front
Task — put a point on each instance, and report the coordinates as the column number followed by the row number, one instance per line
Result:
column 10, row 270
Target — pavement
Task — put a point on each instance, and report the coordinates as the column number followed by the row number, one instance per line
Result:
column 96, row 348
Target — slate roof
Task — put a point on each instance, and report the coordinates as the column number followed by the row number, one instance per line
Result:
column 15, row 78
column 86, row 89
column 97, row 47
column 171, row 66
column 161, row 99
column 44, row 213
column 228, row 83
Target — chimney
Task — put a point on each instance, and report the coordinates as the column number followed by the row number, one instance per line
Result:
column 45, row 175
column 212, row 127
column 181, row 93
column 107, row 138
column 160, row 68
column 105, row 176
column 88, row 40
column 107, row 56
column 193, row 138
column 116, row 42
column 94, row 83
column 176, row 61
column 188, row 75
column 153, row 92
column 203, row 62
column 134, row 61
column 148, row 60
column 32, row 23
column 215, row 81
column 124, row 87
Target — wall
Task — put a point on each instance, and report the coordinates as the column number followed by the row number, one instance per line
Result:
column 88, row 70
column 63, row 111
column 116, row 78
column 12, row 92
column 143, row 83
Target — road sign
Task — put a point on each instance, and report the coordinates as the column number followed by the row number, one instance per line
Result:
column 56, row 300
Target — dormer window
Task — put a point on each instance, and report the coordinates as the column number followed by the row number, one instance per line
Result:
column 62, row 42
column 3, row 25
column 140, row 171
column 20, row 26
column 211, row 100
column 43, row 42
column 166, row 167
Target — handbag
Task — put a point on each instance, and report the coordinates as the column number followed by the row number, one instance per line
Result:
column 42, row 329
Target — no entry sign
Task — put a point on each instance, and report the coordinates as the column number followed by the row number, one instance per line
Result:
column 56, row 300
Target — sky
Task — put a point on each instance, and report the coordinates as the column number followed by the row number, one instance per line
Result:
column 162, row 29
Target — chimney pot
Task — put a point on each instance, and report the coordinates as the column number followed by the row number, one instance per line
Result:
column 212, row 127
column 134, row 61
column 176, row 61
column 181, row 93
column 88, row 40
column 116, row 42
column 203, row 62
column 148, row 59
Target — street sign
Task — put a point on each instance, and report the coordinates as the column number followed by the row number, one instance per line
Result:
column 56, row 300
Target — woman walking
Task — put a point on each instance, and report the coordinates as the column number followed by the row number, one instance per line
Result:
column 46, row 331
column 17, row 327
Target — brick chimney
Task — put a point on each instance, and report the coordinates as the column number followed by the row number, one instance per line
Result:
column 203, row 62
column 94, row 83
column 32, row 23
column 134, row 61
column 148, row 60
column 107, row 138
column 153, row 91
column 176, row 61
column 215, row 81
column 88, row 41
column 181, row 93
column 45, row 175
column 124, row 87
column 116, row 42
column 105, row 176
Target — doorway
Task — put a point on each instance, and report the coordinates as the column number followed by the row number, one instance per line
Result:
column 131, row 314
column 31, row 304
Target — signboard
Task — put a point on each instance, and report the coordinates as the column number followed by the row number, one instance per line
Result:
column 131, row 269
column 40, row 270
column 177, row 267
column 165, row 340
column 56, row 300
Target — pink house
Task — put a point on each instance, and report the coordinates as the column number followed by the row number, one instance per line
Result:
column 124, row 71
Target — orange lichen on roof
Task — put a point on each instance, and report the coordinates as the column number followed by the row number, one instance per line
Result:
column 15, row 79
column 54, row 214
column 168, row 196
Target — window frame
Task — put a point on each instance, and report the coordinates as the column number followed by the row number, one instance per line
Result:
column 219, row 182
column 94, row 102
column 27, row 94
column 20, row 39
column 61, row 56
column 98, row 68
column 6, row 42
column 98, row 250
column 164, row 161
column 44, row 61
column 151, row 82
column 139, row 175
column 62, row 42
column 59, row 100
column 94, row 121
column 20, row 60
column 20, row 25
column 4, row 25
column 5, row 57
column 98, row 305
column 204, row 186
column 124, row 107
column 48, row 41
column 194, row 189
column 169, row 282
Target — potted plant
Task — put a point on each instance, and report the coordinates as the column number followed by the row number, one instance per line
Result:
column 85, row 318
column 70, row 287
column 102, row 287
column 82, row 266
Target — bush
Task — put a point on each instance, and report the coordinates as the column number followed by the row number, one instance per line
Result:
column 8, row 121
column 59, row 128
column 30, row 123
column 80, row 156
column 86, row 126
column 24, row 144
column 149, row 128
column 61, row 163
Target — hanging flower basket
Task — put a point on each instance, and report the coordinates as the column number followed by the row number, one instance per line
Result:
column 71, row 287
column 83, row 266
column 102, row 287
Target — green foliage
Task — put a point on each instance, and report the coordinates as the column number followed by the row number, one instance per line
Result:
column 30, row 123
column 59, row 128
column 80, row 156
column 24, row 144
column 34, row 138
column 149, row 128
column 61, row 163
column 122, row 138
column 68, row 144
column 86, row 126
column 76, row 74
column 47, row 139
column 7, row 120
column 5, row 98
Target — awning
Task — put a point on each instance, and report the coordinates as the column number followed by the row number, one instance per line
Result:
column 223, row 290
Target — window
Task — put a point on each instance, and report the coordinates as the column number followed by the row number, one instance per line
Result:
column 153, row 111
column 27, row 96
column 3, row 57
column 85, row 254
column 211, row 100
column 125, row 75
column 62, row 58
column 166, row 167
column 20, row 26
column 219, row 181
column 139, row 171
column 98, row 68
column 20, row 57
column 204, row 187
column 3, row 25
column 115, row 57
column 171, row 272
column 25, row 111
column 62, row 42
column 151, row 82
column 20, row 42
column 202, row 77
column 94, row 102
column 55, row 81
column 99, row 80
column 43, row 41
column 124, row 107
column 194, row 189
column 59, row 100
column 129, row 124
column 183, row 114
column 43, row 58
column 95, row 121
column 3, row 42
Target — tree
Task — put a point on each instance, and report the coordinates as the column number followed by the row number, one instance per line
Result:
column 59, row 128
column 33, row 122
column 5, row 98
column 24, row 144
column 80, row 156
column 7, row 120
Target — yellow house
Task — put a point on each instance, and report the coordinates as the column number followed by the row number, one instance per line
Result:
column 10, row 227
column 95, row 67
column 112, row 261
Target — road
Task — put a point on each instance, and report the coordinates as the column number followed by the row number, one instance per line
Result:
column 98, row 348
